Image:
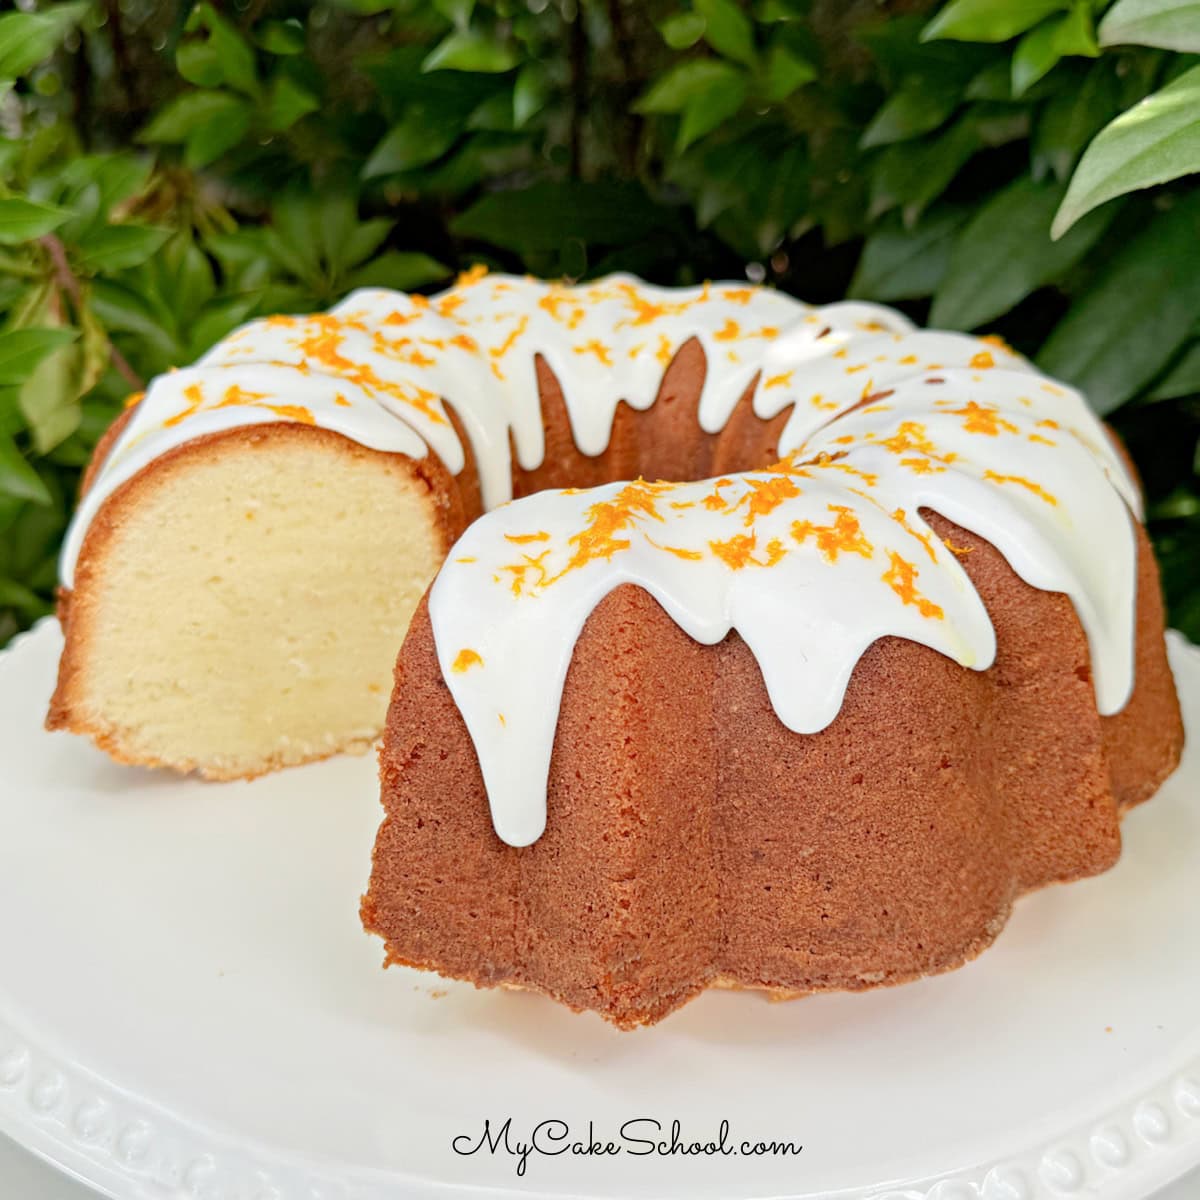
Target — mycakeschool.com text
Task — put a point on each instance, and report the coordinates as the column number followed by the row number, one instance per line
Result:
column 638, row 1137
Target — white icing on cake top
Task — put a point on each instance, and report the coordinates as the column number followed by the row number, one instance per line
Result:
column 810, row 561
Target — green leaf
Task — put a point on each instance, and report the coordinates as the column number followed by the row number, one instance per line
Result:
column 683, row 82
column 988, row 20
column 284, row 38
column 468, row 50
column 1171, row 24
column 1070, row 119
column 495, row 114
column 114, row 247
column 1183, row 379
column 683, row 29
column 904, row 264
column 233, row 54
column 1040, row 49
column 217, row 321
column 398, row 269
column 287, row 102
column 116, row 177
column 545, row 216
column 914, row 174
column 705, row 111
column 920, row 105
column 785, row 72
column 362, row 241
column 1122, row 332
column 210, row 139
column 23, row 220
column 1156, row 140
column 199, row 62
column 22, row 349
column 421, row 136
column 49, row 398
column 19, row 480
column 27, row 39
column 14, row 594
column 1005, row 252
column 530, row 93
column 178, row 118
column 727, row 29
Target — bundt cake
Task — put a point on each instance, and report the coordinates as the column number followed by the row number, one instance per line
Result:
column 810, row 641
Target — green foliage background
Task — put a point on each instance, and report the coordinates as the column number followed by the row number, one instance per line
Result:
column 168, row 170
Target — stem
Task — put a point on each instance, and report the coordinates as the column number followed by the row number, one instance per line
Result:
column 67, row 282
column 579, row 87
column 623, row 43
column 120, row 49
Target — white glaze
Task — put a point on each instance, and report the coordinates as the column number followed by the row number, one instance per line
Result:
column 961, row 426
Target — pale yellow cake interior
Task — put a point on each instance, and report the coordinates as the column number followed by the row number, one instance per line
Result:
column 274, row 583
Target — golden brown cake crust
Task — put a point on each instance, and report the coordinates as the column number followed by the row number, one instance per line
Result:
column 694, row 841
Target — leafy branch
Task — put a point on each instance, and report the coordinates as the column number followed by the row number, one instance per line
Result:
column 170, row 170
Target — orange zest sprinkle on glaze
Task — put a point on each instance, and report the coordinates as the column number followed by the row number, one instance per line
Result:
column 645, row 311
column 1037, row 439
column 498, row 352
column 911, row 436
column 738, row 295
column 921, row 466
column 133, row 400
column 960, row 551
column 901, row 577
column 292, row 412
column 678, row 551
column 738, row 552
column 994, row 339
column 523, row 539
column 908, row 360
column 194, row 395
column 341, row 401
column 467, row 558
column 832, row 462
column 729, row 332
column 819, row 401
column 784, row 379
column 529, row 565
column 472, row 274
column 449, row 304
column 664, row 353
column 607, row 519
column 982, row 361
column 235, row 396
column 466, row 659
column 1029, row 485
column 843, row 536
column 598, row 348
column 766, row 495
column 986, row 419
column 901, row 518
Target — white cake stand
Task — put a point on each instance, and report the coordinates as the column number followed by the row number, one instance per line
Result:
column 188, row 1008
